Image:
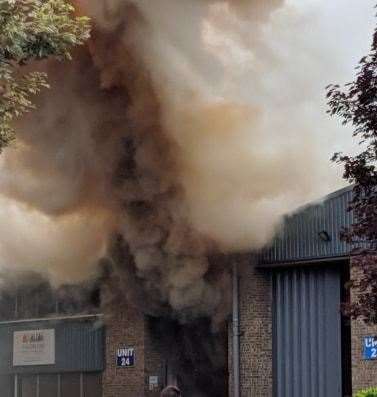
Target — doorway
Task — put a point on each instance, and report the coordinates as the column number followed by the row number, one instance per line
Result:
column 307, row 332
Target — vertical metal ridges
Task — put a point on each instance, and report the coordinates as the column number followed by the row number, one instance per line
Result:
column 306, row 332
column 79, row 346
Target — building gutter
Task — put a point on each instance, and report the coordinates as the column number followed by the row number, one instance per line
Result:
column 236, row 332
column 57, row 318
column 309, row 261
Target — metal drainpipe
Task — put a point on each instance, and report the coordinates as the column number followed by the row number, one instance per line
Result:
column 15, row 385
column 236, row 334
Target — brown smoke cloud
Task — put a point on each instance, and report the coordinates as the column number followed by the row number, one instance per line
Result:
column 162, row 145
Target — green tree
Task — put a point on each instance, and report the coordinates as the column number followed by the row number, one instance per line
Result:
column 31, row 30
column 356, row 106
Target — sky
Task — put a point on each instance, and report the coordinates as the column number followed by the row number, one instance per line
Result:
column 336, row 34
column 307, row 45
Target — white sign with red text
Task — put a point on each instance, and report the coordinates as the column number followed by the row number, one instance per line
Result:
column 34, row 347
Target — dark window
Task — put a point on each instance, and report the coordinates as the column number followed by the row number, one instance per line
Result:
column 70, row 385
column 48, row 385
column 70, row 300
column 28, row 386
column 46, row 301
column 7, row 305
column 92, row 385
column 35, row 300
column 95, row 298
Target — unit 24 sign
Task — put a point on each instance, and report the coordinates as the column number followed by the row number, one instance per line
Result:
column 126, row 357
column 370, row 348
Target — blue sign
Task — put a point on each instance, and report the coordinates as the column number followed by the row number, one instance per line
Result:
column 126, row 357
column 370, row 348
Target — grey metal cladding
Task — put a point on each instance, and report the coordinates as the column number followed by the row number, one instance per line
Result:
column 79, row 346
column 298, row 238
column 306, row 332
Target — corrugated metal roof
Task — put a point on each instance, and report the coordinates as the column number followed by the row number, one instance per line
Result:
column 299, row 240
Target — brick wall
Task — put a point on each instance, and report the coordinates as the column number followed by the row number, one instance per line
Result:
column 129, row 328
column 364, row 373
column 125, row 329
column 255, row 289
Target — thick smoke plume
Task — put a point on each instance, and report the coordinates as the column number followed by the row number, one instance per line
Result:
column 162, row 146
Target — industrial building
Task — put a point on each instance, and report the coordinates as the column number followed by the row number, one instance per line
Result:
column 286, row 337
column 59, row 344
column 293, row 339
column 48, row 346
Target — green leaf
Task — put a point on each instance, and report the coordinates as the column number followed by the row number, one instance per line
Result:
column 31, row 30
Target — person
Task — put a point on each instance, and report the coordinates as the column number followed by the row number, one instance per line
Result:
column 171, row 391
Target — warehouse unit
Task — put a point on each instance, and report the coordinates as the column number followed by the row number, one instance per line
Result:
column 60, row 357
column 64, row 343
column 51, row 344
column 57, row 344
column 288, row 329
column 294, row 341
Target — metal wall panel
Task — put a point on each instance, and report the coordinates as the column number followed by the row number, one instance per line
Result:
column 298, row 238
column 307, row 332
column 79, row 346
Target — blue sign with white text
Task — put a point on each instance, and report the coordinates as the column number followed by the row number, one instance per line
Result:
column 370, row 348
column 126, row 357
